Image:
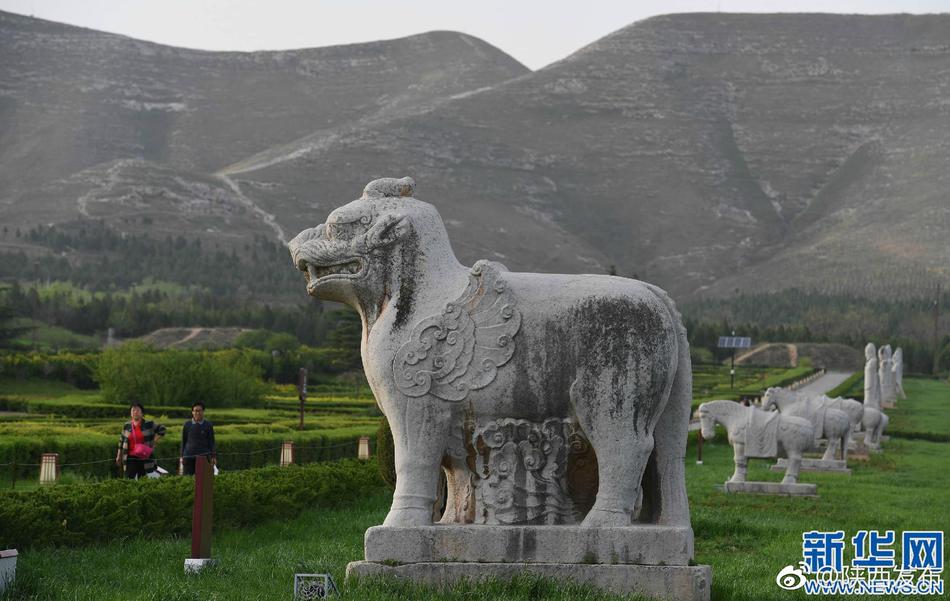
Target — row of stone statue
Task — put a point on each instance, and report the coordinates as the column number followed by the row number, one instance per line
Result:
column 883, row 376
column 789, row 424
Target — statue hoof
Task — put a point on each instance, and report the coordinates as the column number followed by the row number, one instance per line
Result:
column 598, row 518
column 404, row 518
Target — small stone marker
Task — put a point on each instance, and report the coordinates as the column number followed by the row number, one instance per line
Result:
column 287, row 453
column 363, row 451
column 7, row 567
column 201, row 517
column 49, row 468
column 313, row 586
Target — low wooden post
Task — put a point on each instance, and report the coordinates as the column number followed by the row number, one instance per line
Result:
column 302, row 391
column 49, row 468
column 699, row 447
column 201, row 517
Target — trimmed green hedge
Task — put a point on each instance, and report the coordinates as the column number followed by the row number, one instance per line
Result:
column 235, row 452
column 83, row 514
column 174, row 378
column 73, row 368
column 845, row 388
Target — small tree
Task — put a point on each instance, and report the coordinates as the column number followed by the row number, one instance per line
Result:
column 9, row 331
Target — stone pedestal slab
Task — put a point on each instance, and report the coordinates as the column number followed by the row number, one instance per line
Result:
column 643, row 545
column 680, row 583
column 838, row 466
column 772, row 488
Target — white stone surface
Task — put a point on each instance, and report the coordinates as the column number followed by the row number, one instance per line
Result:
column 796, row 489
column 898, row 370
column 872, row 380
column 815, row 465
column 779, row 434
column 639, row 544
column 8, row 559
column 671, row 583
column 193, row 566
column 828, row 422
column 451, row 352
column 886, row 375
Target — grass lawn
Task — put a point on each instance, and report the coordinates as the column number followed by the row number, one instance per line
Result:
column 925, row 413
column 746, row 539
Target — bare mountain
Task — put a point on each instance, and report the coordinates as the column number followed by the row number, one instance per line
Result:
column 99, row 125
column 704, row 152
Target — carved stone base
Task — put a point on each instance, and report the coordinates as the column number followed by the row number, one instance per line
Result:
column 680, row 583
column 639, row 544
column 799, row 489
column 815, row 465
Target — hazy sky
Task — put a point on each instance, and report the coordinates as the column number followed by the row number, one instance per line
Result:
column 534, row 32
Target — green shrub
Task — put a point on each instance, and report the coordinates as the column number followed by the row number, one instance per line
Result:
column 73, row 368
column 83, row 514
column 386, row 453
column 175, row 378
column 235, row 451
column 850, row 388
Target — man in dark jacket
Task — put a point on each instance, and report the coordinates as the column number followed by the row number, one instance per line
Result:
column 197, row 439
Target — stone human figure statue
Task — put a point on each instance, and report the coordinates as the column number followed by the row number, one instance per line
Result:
column 872, row 380
column 899, row 373
column 885, row 371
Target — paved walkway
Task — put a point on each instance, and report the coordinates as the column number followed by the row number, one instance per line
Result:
column 825, row 382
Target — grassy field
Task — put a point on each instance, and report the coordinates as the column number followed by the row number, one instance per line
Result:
column 746, row 539
column 924, row 414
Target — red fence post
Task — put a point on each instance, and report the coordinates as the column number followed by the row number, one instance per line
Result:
column 201, row 517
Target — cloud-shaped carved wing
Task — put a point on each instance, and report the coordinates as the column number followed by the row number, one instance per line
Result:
column 460, row 350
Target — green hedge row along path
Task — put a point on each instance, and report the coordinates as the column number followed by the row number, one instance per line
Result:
column 712, row 381
column 102, row 512
column 746, row 539
column 94, row 455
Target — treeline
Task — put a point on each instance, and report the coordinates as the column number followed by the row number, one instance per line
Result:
column 89, row 254
column 133, row 314
column 799, row 316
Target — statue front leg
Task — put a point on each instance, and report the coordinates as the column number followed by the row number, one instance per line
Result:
column 794, row 466
column 742, row 463
column 419, row 436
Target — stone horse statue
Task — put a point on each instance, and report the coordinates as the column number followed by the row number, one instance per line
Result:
column 829, row 423
column 756, row 433
column 470, row 362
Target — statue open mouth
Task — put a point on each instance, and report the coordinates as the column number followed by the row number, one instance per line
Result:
column 318, row 273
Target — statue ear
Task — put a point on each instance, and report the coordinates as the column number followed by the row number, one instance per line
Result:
column 297, row 244
column 390, row 229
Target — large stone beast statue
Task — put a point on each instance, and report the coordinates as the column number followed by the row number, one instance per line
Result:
column 460, row 358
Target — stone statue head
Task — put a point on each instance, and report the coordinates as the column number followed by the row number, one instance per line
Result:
column 371, row 246
column 869, row 351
